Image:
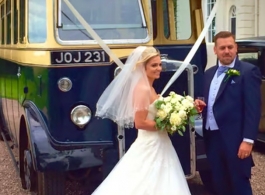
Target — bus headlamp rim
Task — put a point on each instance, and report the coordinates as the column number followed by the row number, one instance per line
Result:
column 81, row 109
column 69, row 83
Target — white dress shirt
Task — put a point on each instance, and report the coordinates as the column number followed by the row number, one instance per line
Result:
column 214, row 88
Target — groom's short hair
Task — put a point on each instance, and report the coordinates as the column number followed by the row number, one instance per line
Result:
column 223, row 34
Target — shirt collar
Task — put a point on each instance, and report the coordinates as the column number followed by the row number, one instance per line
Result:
column 230, row 65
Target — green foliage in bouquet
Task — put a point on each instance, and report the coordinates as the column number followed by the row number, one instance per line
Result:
column 174, row 113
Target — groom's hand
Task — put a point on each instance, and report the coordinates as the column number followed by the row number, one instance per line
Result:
column 245, row 150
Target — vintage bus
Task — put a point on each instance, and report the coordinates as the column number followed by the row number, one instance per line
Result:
column 52, row 72
column 252, row 50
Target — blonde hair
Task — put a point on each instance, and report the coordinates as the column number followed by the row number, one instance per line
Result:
column 147, row 54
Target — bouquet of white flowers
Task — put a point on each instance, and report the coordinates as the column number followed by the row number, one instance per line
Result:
column 174, row 113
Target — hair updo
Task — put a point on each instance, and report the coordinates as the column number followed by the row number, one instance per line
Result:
column 147, row 54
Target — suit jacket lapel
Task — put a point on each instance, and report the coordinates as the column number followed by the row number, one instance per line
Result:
column 208, row 81
column 224, row 83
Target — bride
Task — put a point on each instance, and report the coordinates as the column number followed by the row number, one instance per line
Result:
column 151, row 165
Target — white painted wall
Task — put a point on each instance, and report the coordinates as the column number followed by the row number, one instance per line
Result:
column 261, row 17
column 245, row 18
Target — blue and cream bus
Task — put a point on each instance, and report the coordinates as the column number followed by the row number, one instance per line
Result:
column 53, row 70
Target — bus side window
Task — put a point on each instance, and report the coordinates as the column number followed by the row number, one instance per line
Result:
column 8, row 22
column 37, row 28
column 166, row 19
column 3, row 24
column 22, row 21
column 15, row 21
column 154, row 17
column 177, row 13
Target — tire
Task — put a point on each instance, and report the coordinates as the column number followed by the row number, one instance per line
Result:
column 50, row 183
column 206, row 177
column 39, row 183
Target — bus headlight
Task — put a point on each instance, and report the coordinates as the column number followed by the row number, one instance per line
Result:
column 81, row 115
column 65, row 84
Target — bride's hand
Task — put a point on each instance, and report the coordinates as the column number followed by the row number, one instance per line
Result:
column 199, row 104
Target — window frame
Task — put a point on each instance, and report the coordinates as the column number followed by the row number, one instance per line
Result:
column 8, row 23
column 232, row 18
column 172, row 22
column 212, row 29
column 3, row 22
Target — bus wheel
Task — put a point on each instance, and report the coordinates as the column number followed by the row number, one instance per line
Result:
column 29, row 172
column 50, row 183
column 42, row 183
column 206, row 177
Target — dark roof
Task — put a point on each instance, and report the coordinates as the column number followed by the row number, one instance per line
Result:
column 252, row 41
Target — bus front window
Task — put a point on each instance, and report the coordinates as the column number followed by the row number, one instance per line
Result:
column 112, row 20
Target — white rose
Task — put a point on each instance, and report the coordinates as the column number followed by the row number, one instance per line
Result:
column 189, row 98
column 173, row 128
column 174, row 101
column 167, row 99
column 175, row 119
column 172, row 93
column 168, row 107
column 178, row 97
column 182, row 114
column 177, row 106
column 186, row 103
column 190, row 105
column 161, row 114
column 167, row 110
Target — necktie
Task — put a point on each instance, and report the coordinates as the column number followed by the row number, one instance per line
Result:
column 221, row 69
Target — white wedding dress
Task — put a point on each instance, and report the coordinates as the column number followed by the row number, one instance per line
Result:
column 150, row 167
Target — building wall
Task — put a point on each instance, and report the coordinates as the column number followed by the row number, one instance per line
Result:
column 261, row 17
column 245, row 18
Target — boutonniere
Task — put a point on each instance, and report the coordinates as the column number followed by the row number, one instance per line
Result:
column 231, row 72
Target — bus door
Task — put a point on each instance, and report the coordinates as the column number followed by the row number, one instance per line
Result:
column 176, row 26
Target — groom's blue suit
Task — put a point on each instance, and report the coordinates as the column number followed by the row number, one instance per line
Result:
column 236, row 110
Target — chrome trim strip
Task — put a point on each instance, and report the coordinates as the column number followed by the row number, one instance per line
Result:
column 59, row 14
column 202, row 156
column 142, row 13
column 151, row 19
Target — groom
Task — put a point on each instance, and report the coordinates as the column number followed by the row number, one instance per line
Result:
column 231, row 118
